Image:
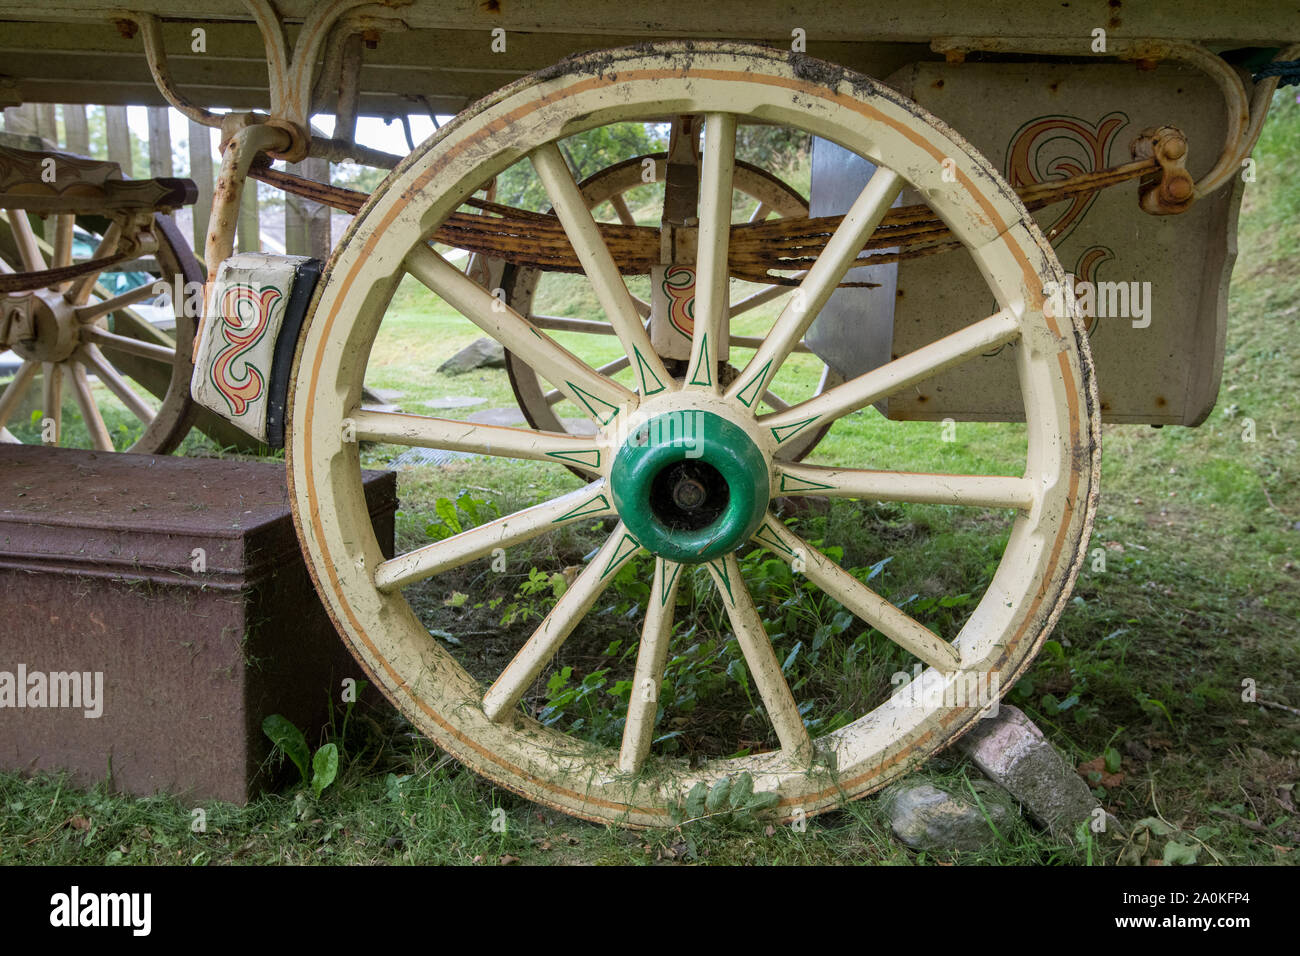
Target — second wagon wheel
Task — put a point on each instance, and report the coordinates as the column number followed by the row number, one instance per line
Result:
column 642, row 487
column 538, row 400
column 101, row 326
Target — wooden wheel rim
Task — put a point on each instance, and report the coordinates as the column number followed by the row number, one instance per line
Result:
column 521, row 284
column 1045, row 548
column 166, row 426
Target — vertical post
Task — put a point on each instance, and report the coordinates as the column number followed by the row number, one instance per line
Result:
column 119, row 139
column 47, row 123
column 21, row 120
column 318, row 214
column 295, row 217
column 76, row 132
column 160, row 142
column 201, row 173
column 249, row 228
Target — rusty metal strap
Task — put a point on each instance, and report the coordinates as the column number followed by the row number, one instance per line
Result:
column 758, row 252
column 28, row 281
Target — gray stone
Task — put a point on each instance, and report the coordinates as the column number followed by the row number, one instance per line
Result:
column 454, row 401
column 926, row 818
column 1014, row 754
column 497, row 416
column 481, row 353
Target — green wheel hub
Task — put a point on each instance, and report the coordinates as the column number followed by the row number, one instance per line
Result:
column 690, row 486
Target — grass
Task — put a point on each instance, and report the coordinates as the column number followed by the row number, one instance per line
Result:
column 1197, row 603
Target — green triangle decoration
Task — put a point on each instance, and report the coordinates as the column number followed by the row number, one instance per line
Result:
column 721, row 568
column 772, row 539
column 754, row 387
column 706, row 367
column 669, row 578
column 786, row 432
column 795, row 483
column 593, row 506
column 647, row 375
column 587, row 399
column 626, row 548
column 587, row 458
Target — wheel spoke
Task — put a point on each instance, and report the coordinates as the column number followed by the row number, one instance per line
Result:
column 112, row 378
column 94, row 310
column 555, row 396
column 976, row 491
column 826, row 273
column 29, row 250
column 916, row 366
column 761, row 213
column 52, row 400
column 598, row 263
column 764, row 668
column 62, row 253
column 560, row 323
column 758, row 298
column 600, row 396
column 90, row 414
column 510, row 686
column 775, row 401
column 651, row 657
column 124, row 343
column 620, row 209
column 712, row 280
column 16, row 389
column 866, row 604
column 590, row 502
column 80, row 290
column 400, row 428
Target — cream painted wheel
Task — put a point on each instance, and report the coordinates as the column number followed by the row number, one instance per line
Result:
column 84, row 329
column 481, row 724
column 538, row 401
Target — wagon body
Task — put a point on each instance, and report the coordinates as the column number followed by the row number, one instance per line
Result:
column 1054, row 115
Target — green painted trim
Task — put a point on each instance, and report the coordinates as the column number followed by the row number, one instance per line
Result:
column 705, row 364
column 644, row 370
column 771, row 538
column 721, row 568
column 667, row 587
column 786, row 432
column 756, row 383
column 803, row 484
column 592, row 506
column 585, row 395
column 576, row 457
column 625, row 549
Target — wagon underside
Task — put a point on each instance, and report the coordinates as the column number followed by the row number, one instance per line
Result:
column 437, row 55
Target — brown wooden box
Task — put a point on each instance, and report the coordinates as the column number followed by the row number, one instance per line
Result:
column 98, row 559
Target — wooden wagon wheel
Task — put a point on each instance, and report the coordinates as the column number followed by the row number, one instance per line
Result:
column 84, row 329
column 1052, row 502
column 538, row 402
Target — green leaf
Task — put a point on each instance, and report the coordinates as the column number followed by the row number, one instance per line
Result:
column 718, row 795
column 1113, row 760
column 1179, row 854
column 325, row 767
column 1157, row 826
column 695, row 800
column 290, row 741
column 742, row 789
column 447, row 512
column 762, row 801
